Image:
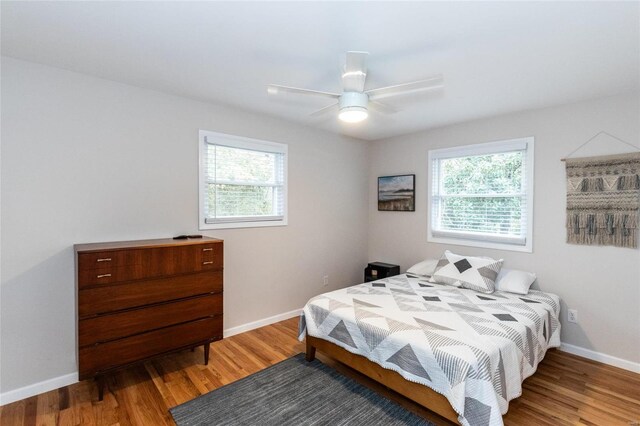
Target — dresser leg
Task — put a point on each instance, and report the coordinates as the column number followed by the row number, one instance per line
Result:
column 206, row 354
column 100, row 383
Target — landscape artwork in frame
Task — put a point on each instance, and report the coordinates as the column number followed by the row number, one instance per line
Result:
column 397, row 193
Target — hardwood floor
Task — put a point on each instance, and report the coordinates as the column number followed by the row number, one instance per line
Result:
column 565, row 390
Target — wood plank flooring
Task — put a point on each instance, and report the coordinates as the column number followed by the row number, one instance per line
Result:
column 566, row 389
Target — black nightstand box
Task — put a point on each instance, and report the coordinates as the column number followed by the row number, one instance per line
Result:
column 383, row 270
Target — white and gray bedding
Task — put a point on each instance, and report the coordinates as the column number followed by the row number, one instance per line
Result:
column 473, row 348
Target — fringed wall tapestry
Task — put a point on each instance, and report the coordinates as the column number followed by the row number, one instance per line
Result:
column 603, row 200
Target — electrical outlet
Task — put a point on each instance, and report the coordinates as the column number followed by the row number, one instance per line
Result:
column 572, row 315
column 325, row 281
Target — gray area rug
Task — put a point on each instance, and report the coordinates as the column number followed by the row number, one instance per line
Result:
column 294, row 392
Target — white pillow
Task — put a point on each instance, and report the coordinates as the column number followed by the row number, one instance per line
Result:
column 474, row 273
column 514, row 281
column 424, row 268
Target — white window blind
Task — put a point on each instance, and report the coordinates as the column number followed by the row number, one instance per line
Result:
column 483, row 193
column 243, row 182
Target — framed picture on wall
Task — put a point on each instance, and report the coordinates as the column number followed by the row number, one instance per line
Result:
column 397, row 193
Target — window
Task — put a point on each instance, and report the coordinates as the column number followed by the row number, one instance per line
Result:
column 482, row 195
column 243, row 182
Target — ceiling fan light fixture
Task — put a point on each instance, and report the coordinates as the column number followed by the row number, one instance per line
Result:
column 354, row 101
column 353, row 114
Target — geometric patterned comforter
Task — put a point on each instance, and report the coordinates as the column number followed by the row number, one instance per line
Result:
column 475, row 349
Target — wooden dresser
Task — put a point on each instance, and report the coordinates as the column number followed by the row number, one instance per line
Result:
column 141, row 299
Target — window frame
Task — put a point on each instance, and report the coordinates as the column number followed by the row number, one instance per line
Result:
column 240, row 142
column 487, row 148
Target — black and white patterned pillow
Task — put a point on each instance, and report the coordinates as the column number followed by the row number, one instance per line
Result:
column 474, row 273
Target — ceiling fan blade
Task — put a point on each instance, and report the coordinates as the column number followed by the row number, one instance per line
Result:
column 325, row 110
column 355, row 71
column 275, row 89
column 401, row 89
column 382, row 108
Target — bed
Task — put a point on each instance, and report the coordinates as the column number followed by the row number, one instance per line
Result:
column 458, row 352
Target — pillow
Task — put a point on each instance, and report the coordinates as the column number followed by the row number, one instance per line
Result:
column 424, row 268
column 514, row 281
column 474, row 273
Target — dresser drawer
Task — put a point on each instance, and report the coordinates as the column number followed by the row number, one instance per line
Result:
column 108, row 275
column 104, row 356
column 109, row 259
column 108, row 298
column 127, row 323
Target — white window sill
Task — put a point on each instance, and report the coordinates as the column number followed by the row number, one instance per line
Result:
column 232, row 225
column 479, row 243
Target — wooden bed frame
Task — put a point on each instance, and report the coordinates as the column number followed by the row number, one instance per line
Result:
column 419, row 394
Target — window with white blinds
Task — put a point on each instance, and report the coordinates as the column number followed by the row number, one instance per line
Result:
column 243, row 182
column 482, row 195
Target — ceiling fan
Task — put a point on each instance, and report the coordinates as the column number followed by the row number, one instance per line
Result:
column 354, row 103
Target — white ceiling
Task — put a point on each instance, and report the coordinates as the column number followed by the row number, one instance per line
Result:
column 496, row 57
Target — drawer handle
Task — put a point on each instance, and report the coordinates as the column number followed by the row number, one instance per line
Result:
column 207, row 263
column 106, row 259
column 104, row 275
column 207, row 249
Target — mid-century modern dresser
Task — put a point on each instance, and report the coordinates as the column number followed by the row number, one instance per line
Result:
column 141, row 299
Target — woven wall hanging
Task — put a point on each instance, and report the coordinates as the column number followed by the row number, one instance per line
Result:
column 603, row 200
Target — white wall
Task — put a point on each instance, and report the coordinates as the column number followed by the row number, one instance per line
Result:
column 86, row 160
column 602, row 283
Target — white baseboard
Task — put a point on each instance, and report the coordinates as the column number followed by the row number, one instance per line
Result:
column 600, row 357
column 37, row 388
column 261, row 323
